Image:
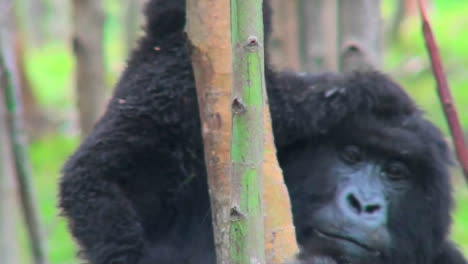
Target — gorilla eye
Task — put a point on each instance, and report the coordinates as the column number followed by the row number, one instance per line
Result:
column 352, row 154
column 396, row 171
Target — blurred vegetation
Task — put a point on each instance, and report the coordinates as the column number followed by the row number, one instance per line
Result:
column 407, row 59
column 51, row 71
column 408, row 62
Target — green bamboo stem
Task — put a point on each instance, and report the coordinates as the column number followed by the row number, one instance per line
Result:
column 246, row 229
column 4, row 175
column 21, row 161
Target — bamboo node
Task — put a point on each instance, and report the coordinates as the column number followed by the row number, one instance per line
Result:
column 238, row 106
column 236, row 214
column 252, row 44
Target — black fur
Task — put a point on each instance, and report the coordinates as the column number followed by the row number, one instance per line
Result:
column 135, row 191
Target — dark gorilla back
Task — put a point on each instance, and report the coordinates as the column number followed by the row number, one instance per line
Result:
column 135, row 191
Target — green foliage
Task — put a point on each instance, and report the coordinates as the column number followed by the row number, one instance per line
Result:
column 407, row 60
column 47, row 157
column 50, row 70
column 410, row 55
column 460, row 228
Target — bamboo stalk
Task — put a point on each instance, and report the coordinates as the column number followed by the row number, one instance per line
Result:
column 247, row 148
column 444, row 91
column 229, row 75
column 21, row 160
column 8, row 205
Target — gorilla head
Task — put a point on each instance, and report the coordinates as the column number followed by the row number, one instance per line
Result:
column 374, row 187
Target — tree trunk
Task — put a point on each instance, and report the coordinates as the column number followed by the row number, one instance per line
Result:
column 8, row 240
column 11, row 95
column 280, row 235
column 220, row 89
column 313, row 32
column 341, row 35
column 330, row 25
column 284, row 43
column 88, row 48
column 132, row 22
column 35, row 120
column 396, row 21
column 34, row 12
column 360, row 35
column 319, row 28
column 58, row 23
column 208, row 27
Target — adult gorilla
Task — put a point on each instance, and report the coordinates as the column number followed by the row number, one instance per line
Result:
column 367, row 174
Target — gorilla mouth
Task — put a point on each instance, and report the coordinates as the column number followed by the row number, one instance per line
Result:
column 331, row 236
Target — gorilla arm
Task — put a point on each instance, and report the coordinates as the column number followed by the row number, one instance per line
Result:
column 100, row 216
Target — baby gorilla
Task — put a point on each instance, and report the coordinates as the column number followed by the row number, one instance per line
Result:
column 367, row 174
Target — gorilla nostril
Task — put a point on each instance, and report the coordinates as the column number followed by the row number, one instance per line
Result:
column 359, row 207
column 373, row 208
column 354, row 203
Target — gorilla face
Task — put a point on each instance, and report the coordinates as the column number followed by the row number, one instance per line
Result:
column 356, row 201
column 346, row 212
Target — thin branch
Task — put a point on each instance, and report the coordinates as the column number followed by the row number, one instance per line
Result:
column 11, row 95
column 444, row 91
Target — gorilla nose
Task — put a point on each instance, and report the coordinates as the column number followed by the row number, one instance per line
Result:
column 364, row 206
